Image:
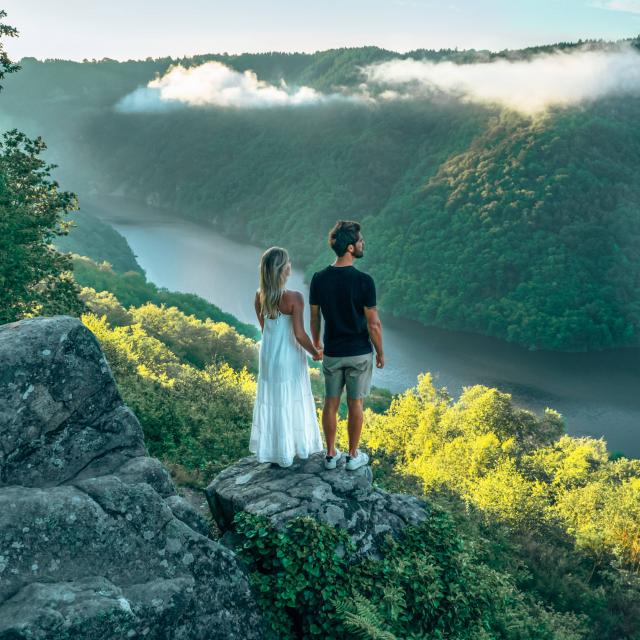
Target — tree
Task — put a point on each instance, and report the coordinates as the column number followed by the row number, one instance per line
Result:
column 35, row 279
column 6, row 65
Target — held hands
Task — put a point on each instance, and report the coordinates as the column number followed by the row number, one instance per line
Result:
column 379, row 360
column 320, row 352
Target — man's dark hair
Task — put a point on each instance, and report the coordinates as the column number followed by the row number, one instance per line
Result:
column 343, row 233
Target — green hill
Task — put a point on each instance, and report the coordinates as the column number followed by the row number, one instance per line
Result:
column 133, row 289
column 476, row 218
column 91, row 237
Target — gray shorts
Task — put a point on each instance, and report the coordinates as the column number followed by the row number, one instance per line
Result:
column 353, row 371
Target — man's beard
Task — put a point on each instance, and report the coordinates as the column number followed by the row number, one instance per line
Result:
column 358, row 255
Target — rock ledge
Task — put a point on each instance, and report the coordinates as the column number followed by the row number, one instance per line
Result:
column 346, row 499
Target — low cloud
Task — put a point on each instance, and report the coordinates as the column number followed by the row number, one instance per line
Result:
column 215, row 84
column 559, row 78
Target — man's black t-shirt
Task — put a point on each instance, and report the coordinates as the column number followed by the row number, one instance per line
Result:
column 342, row 294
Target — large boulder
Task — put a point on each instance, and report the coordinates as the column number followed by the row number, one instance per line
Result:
column 346, row 499
column 94, row 540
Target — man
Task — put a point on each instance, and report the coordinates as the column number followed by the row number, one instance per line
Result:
column 346, row 298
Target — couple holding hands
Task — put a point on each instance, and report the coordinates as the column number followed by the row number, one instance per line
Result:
column 284, row 416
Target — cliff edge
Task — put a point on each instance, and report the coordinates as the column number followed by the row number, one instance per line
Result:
column 94, row 540
column 345, row 499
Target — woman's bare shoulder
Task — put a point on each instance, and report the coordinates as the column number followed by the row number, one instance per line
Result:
column 289, row 300
column 293, row 296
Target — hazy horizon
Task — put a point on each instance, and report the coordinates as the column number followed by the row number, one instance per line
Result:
column 128, row 31
column 300, row 52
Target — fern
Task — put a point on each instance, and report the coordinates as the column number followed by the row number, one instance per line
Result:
column 365, row 622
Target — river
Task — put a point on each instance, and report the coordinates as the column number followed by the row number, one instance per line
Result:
column 598, row 394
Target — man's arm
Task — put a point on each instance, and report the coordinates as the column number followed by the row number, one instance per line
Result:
column 373, row 321
column 316, row 323
column 375, row 333
column 316, row 326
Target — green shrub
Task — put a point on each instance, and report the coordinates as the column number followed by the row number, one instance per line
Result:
column 199, row 419
column 429, row 584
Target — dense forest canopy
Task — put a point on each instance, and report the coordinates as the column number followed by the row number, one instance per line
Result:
column 477, row 216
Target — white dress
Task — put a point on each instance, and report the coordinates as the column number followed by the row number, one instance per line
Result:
column 285, row 423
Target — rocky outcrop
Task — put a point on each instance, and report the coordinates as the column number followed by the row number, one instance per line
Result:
column 346, row 499
column 94, row 540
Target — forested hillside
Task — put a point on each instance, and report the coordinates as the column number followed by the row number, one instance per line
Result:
column 477, row 217
column 91, row 237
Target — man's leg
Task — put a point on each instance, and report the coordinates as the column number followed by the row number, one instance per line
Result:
column 358, row 382
column 330, row 423
column 354, row 423
column 333, row 386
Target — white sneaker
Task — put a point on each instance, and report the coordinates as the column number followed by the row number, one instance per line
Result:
column 330, row 461
column 357, row 461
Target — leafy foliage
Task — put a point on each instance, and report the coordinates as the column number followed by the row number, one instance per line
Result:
column 511, row 465
column 195, row 342
column 196, row 418
column 35, row 279
column 296, row 573
column 559, row 514
column 6, row 31
column 430, row 583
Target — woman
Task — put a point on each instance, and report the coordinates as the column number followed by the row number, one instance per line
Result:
column 284, row 416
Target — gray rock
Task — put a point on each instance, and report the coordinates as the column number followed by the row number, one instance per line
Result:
column 60, row 410
column 186, row 512
column 94, row 540
column 149, row 470
column 346, row 499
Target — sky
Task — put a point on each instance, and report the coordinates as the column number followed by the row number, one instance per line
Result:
column 136, row 29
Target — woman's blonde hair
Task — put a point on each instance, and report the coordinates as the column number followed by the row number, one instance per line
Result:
column 272, row 280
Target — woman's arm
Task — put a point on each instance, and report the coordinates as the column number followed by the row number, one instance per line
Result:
column 256, row 304
column 316, row 326
column 298, row 327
